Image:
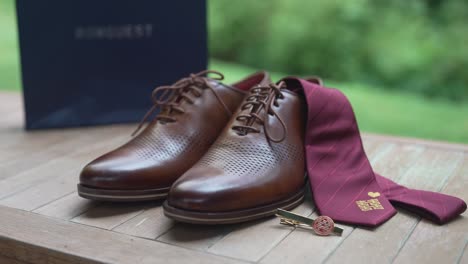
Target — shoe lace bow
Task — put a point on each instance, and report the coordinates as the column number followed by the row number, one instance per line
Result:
column 168, row 98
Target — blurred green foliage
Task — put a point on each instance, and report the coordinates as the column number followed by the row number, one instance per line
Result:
column 417, row 45
column 320, row 37
column 9, row 52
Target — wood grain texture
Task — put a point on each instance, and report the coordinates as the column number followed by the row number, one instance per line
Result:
column 417, row 141
column 66, row 207
column 37, row 148
column 11, row 101
column 199, row 237
column 303, row 246
column 109, row 215
column 463, row 258
column 442, row 244
column 52, row 180
column 39, row 171
column 19, row 145
column 251, row 241
column 11, row 107
column 6, row 260
column 151, row 224
column 32, row 238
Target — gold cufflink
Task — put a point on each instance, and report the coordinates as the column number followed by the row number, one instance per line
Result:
column 322, row 226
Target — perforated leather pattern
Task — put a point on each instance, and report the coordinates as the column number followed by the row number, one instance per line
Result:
column 237, row 158
column 161, row 145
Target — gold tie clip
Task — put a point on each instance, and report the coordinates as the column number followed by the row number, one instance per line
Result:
column 322, row 226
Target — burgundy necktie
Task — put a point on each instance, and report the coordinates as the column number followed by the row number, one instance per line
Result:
column 437, row 207
column 343, row 183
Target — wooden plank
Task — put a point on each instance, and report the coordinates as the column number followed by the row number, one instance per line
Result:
column 6, row 260
column 67, row 207
column 426, row 171
column 40, row 194
column 464, row 256
column 110, row 215
column 21, row 150
column 33, row 238
column 52, row 180
column 417, row 141
column 47, row 191
column 39, row 164
column 398, row 160
column 199, row 237
column 432, row 169
column 150, row 224
column 441, row 244
column 10, row 100
column 370, row 145
column 11, row 123
column 36, row 149
column 20, row 144
column 29, row 179
column 11, row 107
column 302, row 246
column 251, row 241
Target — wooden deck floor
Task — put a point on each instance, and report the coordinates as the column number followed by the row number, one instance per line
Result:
column 42, row 219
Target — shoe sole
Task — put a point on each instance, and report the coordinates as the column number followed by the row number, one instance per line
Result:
column 122, row 195
column 210, row 218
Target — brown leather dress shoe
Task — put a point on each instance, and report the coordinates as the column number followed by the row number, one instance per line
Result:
column 193, row 112
column 256, row 165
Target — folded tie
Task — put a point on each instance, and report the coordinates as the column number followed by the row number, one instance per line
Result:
column 343, row 183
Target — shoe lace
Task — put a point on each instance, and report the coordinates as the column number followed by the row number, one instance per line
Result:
column 169, row 97
column 261, row 97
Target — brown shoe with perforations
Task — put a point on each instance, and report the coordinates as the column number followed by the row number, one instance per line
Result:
column 256, row 165
column 193, row 112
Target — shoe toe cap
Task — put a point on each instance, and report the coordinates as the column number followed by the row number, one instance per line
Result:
column 121, row 173
column 194, row 191
column 100, row 174
column 208, row 190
